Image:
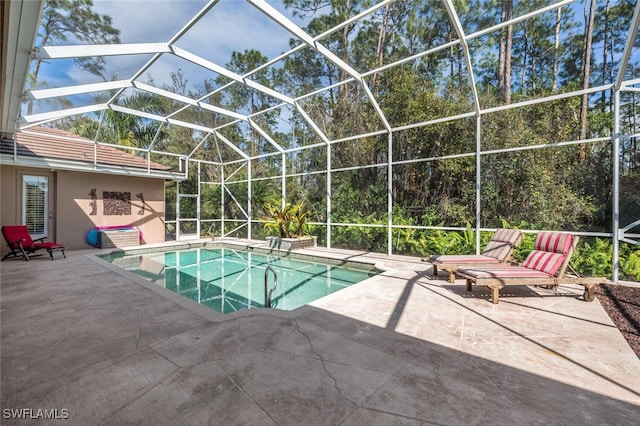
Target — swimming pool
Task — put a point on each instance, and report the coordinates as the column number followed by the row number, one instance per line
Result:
column 229, row 279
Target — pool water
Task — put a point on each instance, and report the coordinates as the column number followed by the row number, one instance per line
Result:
column 228, row 280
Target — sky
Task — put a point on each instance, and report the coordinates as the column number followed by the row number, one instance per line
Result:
column 232, row 25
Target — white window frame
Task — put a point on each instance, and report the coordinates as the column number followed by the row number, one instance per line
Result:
column 28, row 211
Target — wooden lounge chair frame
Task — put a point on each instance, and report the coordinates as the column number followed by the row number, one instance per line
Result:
column 450, row 265
column 20, row 243
column 552, row 282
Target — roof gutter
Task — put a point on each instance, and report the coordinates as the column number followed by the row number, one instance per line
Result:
column 78, row 166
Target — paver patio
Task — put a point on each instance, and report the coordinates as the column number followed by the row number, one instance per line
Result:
column 399, row 348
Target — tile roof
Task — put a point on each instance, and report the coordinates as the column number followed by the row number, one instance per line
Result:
column 62, row 145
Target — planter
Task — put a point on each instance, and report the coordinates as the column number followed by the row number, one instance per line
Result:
column 288, row 244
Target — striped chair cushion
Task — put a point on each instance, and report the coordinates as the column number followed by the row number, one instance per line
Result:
column 549, row 252
column 501, row 243
column 544, row 261
column 554, row 242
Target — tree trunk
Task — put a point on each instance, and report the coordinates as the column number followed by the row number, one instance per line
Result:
column 460, row 66
column 635, row 158
column 508, row 4
column 533, row 73
column 525, row 56
column 589, row 15
column 382, row 38
column 252, row 148
column 502, row 49
column 345, row 49
column 611, row 61
column 605, row 47
column 451, row 62
column 556, row 49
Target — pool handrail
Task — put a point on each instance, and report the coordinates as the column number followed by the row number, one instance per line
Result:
column 267, row 292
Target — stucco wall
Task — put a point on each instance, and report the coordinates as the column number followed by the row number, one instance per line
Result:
column 8, row 197
column 75, row 212
column 77, row 215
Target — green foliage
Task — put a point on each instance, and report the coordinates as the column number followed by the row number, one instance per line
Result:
column 289, row 221
column 357, row 237
column 450, row 242
column 629, row 261
column 631, row 266
column 593, row 259
column 522, row 251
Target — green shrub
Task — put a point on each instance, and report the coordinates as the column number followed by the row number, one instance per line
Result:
column 631, row 266
column 287, row 222
column 593, row 259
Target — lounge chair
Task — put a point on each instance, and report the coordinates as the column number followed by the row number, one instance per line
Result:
column 544, row 266
column 21, row 244
column 498, row 251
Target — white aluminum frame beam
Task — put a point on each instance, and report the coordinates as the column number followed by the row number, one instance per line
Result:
column 240, row 152
column 93, row 50
column 53, row 115
column 264, row 134
column 77, row 90
column 187, row 100
column 284, row 22
column 457, row 25
column 626, row 54
column 137, row 113
column 211, row 66
column 77, row 51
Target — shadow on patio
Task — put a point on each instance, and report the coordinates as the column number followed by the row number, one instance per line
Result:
column 400, row 348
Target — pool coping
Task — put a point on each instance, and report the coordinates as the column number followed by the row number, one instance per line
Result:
column 257, row 246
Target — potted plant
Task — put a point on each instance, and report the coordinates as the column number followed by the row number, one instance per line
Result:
column 290, row 225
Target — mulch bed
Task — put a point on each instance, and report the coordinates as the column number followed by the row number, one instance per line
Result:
column 622, row 303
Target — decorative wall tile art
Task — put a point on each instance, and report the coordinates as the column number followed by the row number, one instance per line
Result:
column 116, row 203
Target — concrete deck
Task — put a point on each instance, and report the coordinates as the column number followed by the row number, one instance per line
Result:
column 100, row 347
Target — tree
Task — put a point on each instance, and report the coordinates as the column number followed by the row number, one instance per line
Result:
column 64, row 20
column 506, row 41
column 610, row 30
column 250, row 100
column 589, row 15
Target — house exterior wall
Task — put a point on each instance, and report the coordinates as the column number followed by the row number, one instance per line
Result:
column 75, row 212
column 9, row 190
